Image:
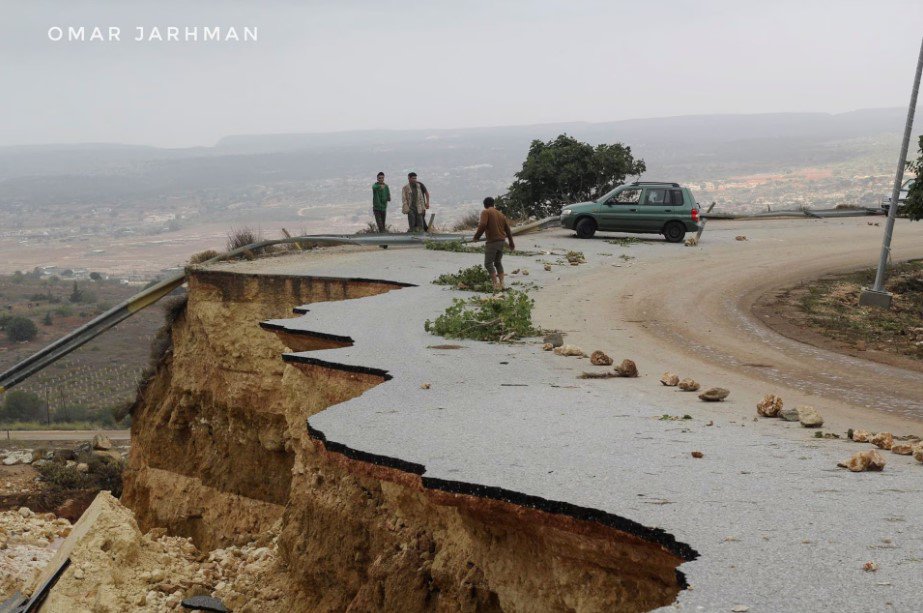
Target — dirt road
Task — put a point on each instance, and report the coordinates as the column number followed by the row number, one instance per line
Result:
column 689, row 311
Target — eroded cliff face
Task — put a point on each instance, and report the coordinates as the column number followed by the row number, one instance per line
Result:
column 221, row 453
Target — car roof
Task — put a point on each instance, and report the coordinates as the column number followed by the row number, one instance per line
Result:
column 658, row 183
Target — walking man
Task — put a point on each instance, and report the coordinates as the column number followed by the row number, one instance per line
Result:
column 415, row 199
column 496, row 228
column 381, row 196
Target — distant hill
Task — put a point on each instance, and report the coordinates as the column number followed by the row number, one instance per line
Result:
column 458, row 165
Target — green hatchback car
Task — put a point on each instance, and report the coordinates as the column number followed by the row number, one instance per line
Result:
column 650, row 207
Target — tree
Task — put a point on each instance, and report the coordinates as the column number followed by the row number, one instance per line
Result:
column 95, row 276
column 47, row 319
column 22, row 406
column 914, row 206
column 565, row 170
column 18, row 277
column 76, row 294
column 20, row 329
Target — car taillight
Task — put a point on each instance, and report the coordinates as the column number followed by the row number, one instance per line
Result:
column 695, row 215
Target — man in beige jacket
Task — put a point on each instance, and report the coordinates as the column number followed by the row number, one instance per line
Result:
column 415, row 200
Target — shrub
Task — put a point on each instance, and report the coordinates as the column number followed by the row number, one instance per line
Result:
column 241, row 237
column 19, row 405
column 468, row 221
column 497, row 318
column 20, row 329
column 472, row 279
column 63, row 477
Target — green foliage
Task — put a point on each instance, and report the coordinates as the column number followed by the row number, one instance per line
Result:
column 95, row 276
column 18, row 277
column 19, row 329
column 472, row 279
column 19, row 405
column 461, row 247
column 503, row 317
column 64, row 477
column 47, row 319
column 563, row 171
column 914, row 207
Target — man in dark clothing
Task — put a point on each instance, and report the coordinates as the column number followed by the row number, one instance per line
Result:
column 494, row 225
column 381, row 196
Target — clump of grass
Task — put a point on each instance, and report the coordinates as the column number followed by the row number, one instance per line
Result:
column 472, row 279
column 202, row 256
column 241, row 237
column 461, row 247
column 624, row 241
column 469, row 221
column 500, row 318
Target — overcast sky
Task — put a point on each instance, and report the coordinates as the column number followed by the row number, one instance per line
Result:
column 356, row 64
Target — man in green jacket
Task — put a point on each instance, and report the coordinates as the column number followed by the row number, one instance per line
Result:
column 381, row 196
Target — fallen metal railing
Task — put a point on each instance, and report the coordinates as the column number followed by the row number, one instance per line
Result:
column 96, row 326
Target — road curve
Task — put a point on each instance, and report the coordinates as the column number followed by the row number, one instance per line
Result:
column 689, row 310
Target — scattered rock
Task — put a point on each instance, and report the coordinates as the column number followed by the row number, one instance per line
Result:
column 809, row 417
column 598, row 358
column 669, row 379
column 715, row 394
column 548, row 267
column 769, row 406
column 570, row 350
column 741, row 608
column 902, row 448
column 18, row 457
column 790, row 414
column 740, row 237
column 689, row 385
column 556, row 339
column 882, row 440
column 78, row 574
column 524, row 272
column 41, row 454
column 627, row 369
column 870, row 567
column 25, row 512
column 547, row 347
column 424, row 386
column 102, row 442
column 83, row 467
column 204, row 603
column 691, row 241
column 918, row 452
column 861, row 436
column 863, row 461
column 698, row 454
column 710, row 423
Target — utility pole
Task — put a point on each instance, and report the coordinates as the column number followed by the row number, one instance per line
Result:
column 877, row 296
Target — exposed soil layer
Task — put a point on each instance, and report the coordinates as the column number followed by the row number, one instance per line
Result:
column 221, row 453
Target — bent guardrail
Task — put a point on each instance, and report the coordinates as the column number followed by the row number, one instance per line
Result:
column 58, row 349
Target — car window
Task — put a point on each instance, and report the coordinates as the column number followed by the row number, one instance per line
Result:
column 655, row 197
column 627, row 196
column 677, row 197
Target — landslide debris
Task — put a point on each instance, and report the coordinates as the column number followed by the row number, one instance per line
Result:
column 863, row 461
column 769, row 406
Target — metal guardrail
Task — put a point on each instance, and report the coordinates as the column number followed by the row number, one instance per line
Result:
column 796, row 214
column 96, row 326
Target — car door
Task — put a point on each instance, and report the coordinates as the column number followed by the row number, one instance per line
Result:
column 654, row 209
column 620, row 212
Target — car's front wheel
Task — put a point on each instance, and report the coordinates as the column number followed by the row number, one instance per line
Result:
column 674, row 232
column 585, row 228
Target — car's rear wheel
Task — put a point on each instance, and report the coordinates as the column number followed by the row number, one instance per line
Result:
column 674, row 232
column 585, row 228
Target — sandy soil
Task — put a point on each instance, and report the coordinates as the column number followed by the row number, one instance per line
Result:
column 689, row 311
